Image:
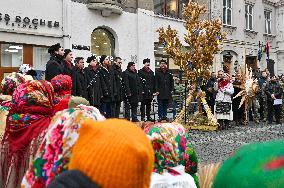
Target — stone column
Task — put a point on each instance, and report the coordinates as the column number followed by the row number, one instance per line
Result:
column 66, row 23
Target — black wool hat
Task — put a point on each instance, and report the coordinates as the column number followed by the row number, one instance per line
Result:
column 91, row 58
column 146, row 61
column 103, row 57
column 130, row 64
column 72, row 179
column 66, row 52
column 54, row 48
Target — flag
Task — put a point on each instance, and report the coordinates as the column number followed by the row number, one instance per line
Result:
column 259, row 54
column 267, row 49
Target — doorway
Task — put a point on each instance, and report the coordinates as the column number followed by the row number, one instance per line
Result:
column 251, row 62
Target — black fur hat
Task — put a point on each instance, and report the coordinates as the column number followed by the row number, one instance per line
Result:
column 103, row 57
column 53, row 48
column 130, row 64
column 146, row 61
column 91, row 58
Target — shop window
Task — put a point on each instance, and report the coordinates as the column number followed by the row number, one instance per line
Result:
column 171, row 8
column 11, row 55
column 40, row 57
column 103, row 43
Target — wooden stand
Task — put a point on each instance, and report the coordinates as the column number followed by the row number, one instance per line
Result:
column 211, row 125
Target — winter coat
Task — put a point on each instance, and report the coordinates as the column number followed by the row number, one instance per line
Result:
column 95, row 86
column 261, row 81
column 225, row 95
column 107, row 90
column 116, row 81
column 79, row 84
column 273, row 88
column 68, row 67
column 54, row 67
column 164, row 84
column 148, row 83
column 132, row 84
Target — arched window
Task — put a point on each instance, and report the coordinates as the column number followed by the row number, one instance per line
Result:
column 103, row 42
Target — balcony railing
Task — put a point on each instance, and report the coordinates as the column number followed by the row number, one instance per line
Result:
column 107, row 7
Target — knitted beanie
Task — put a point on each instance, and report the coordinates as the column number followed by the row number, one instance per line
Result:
column 258, row 165
column 72, row 179
column 114, row 154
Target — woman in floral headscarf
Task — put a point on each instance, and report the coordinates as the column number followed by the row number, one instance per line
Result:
column 62, row 85
column 55, row 151
column 7, row 87
column 30, row 114
column 175, row 159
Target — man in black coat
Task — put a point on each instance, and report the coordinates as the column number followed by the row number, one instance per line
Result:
column 133, row 89
column 95, row 82
column 164, row 88
column 210, row 93
column 148, row 88
column 262, row 81
column 106, row 102
column 79, row 84
column 273, row 91
column 55, row 65
column 116, row 80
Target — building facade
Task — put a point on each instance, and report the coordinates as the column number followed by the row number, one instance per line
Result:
column 127, row 28
column 250, row 25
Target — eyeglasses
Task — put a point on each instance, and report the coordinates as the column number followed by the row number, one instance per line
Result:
column 119, row 62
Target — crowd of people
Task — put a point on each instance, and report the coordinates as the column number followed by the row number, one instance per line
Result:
column 222, row 90
column 58, row 134
column 222, row 97
column 106, row 86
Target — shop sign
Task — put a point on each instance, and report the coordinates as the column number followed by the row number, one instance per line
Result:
column 27, row 22
column 80, row 47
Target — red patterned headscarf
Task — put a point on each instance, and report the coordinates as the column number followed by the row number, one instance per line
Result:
column 31, row 111
column 62, row 85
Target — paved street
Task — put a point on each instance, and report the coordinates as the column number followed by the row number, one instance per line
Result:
column 217, row 146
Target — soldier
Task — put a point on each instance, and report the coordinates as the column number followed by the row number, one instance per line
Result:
column 148, row 88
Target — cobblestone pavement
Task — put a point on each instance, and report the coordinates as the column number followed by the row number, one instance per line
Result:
column 212, row 147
